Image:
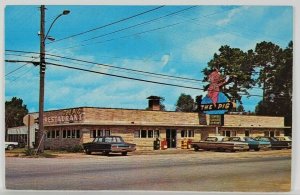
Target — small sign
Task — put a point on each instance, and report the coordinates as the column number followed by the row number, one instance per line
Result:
column 28, row 120
column 202, row 119
column 216, row 120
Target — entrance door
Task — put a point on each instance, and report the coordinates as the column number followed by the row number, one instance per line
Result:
column 171, row 138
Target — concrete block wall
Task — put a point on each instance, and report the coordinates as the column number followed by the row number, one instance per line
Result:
column 253, row 121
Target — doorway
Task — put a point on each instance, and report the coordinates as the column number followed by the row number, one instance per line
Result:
column 171, row 138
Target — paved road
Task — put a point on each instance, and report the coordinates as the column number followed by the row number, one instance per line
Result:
column 188, row 172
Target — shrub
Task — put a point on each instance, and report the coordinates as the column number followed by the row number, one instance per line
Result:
column 29, row 152
column 75, row 149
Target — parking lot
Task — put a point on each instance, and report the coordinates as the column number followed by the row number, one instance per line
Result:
column 175, row 170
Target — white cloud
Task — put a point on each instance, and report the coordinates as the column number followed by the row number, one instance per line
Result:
column 233, row 13
column 203, row 49
column 165, row 59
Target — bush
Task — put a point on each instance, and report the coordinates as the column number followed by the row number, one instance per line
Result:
column 75, row 149
column 29, row 152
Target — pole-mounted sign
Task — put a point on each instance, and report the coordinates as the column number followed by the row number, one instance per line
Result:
column 215, row 102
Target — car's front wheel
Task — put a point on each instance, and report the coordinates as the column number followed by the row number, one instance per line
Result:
column 10, row 147
column 87, row 151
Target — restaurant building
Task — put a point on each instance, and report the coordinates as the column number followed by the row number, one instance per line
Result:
column 70, row 127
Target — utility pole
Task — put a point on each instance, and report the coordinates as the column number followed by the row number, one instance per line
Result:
column 40, row 143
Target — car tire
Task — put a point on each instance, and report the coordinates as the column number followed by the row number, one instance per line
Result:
column 124, row 153
column 10, row 147
column 257, row 149
column 106, row 153
column 196, row 148
column 87, row 151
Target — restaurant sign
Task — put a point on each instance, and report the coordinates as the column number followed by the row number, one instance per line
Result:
column 65, row 116
column 215, row 102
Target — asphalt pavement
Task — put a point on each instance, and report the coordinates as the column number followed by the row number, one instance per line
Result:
column 264, row 171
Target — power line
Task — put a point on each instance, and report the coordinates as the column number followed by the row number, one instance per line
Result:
column 143, row 32
column 111, row 66
column 140, row 24
column 106, row 25
column 157, row 75
column 124, row 77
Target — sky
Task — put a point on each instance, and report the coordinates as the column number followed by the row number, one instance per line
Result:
column 179, row 45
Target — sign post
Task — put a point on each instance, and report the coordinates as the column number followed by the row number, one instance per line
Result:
column 28, row 120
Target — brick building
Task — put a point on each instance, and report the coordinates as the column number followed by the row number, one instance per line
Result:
column 70, row 127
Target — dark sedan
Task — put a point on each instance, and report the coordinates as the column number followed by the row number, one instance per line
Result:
column 275, row 143
column 109, row 144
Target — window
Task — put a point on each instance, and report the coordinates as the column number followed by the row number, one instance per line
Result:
column 68, row 134
column 57, row 134
column 191, row 133
column 137, row 134
column 99, row 133
column 233, row 133
column 247, row 133
column 156, row 133
column 107, row 132
column 51, row 134
column 228, row 133
column 187, row 133
column 143, row 134
column 266, row 133
column 146, row 134
column 183, row 133
column 150, row 134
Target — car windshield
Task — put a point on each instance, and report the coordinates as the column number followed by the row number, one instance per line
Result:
column 274, row 139
column 234, row 139
column 264, row 139
column 249, row 139
column 113, row 139
column 98, row 139
column 211, row 139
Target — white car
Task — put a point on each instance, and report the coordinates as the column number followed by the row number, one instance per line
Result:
column 11, row 145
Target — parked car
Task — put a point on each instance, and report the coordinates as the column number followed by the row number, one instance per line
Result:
column 253, row 145
column 275, row 143
column 219, row 143
column 11, row 145
column 284, row 138
column 109, row 144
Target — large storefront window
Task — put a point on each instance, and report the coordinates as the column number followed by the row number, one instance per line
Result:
column 146, row 133
column 99, row 133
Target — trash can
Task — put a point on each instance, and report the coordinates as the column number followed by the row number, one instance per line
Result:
column 156, row 144
column 164, row 144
